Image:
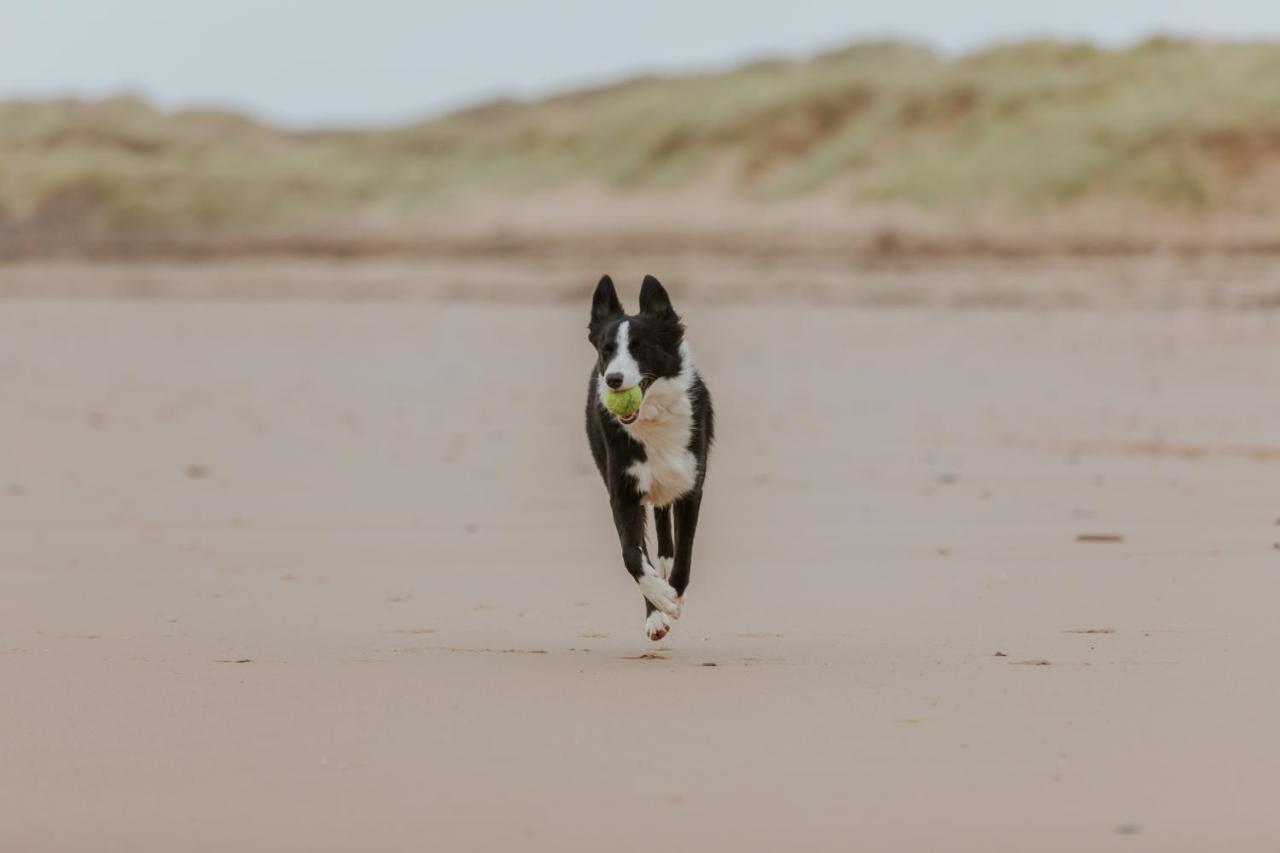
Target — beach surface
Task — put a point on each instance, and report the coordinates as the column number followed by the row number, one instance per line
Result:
column 324, row 575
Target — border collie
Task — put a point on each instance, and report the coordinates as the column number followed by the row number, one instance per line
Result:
column 656, row 457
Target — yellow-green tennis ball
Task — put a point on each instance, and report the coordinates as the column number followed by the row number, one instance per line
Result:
column 624, row 403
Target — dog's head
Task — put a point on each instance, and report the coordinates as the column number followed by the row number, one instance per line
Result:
column 637, row 349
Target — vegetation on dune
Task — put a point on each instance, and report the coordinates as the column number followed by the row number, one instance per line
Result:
column 1037, row 126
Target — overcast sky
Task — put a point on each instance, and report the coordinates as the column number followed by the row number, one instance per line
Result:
column 310, row 62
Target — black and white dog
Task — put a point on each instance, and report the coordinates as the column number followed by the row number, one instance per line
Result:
column 658, row 456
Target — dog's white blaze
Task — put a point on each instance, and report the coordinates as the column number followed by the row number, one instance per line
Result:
column 622, row 361
column 664, row 426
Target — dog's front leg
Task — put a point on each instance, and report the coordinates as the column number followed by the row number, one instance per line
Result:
column 666, row 545
column 628, row 516
column 656, row 623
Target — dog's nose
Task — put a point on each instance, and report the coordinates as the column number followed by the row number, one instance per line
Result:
column 613, row 380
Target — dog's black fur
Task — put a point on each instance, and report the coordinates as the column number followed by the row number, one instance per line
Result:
column 667, row 442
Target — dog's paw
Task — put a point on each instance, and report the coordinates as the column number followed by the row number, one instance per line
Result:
column 661, row 594
column 657, row 625
column 664, row 567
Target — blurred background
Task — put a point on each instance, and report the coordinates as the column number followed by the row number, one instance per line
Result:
column 301, row 545
column 497, row 134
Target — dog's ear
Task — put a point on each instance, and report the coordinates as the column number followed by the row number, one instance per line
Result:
column 654, row 299
column 604, row 307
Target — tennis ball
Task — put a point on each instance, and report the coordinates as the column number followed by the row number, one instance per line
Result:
column 624, row 403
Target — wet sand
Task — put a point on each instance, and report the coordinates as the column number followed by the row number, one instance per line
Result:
column 322, row 576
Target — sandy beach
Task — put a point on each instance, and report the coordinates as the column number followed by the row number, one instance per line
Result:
column 336, row 575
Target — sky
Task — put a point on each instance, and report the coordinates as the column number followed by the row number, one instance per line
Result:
column 384, row 61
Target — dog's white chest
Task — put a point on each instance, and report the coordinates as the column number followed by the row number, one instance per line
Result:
column 664, row 427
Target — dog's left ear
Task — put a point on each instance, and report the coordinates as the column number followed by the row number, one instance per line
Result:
column 654, row 299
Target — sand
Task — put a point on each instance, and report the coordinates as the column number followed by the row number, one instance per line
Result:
column 325, row 576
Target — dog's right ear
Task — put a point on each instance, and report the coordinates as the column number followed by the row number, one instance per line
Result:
column 604, row 307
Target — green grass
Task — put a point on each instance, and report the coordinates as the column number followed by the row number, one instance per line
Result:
column 1181, row 126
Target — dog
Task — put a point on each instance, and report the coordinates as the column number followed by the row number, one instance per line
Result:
column 657, row 456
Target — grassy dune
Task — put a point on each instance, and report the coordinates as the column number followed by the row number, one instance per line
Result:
column 1189, row 129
